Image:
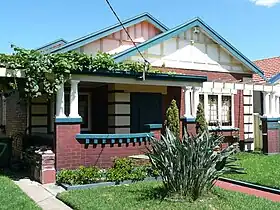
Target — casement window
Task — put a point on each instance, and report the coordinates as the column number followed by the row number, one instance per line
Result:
column 218, row 110
column 84, row 109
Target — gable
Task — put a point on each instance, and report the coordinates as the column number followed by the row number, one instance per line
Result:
column 183, row 47
column 119, row 40
column 88, row 39
column 189, row 50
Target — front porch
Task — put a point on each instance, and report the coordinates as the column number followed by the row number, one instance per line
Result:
column 115, row 119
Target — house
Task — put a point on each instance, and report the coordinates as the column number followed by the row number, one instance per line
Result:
column 99, row 116
column 269, row 106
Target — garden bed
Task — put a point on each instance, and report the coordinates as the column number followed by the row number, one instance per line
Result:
column 260, row 169
column 149, row 195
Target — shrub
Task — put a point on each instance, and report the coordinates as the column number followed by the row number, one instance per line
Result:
column 82, row 175
column 126, row 169
column 172, row 118
column 190, row 167
column 201, row 124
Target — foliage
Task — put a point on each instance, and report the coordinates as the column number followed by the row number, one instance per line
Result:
column 44, row 73
column 201, row 124
column 82, row 175
column 148, row 196
column 125, row 169
column 172, row 118
column 189, row 167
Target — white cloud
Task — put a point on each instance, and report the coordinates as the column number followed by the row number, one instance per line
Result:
column 266, row 3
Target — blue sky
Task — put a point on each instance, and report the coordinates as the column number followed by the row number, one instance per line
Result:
column 252, row 26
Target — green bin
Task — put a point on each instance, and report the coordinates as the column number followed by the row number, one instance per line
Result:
column 5, row 151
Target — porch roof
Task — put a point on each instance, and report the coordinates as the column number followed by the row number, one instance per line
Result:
column 128, row 77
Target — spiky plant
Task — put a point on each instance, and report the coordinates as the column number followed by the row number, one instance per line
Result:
column 201, row 124
column 172, row 118
column 191, row 166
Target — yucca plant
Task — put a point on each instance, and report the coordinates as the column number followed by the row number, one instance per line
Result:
column 190, row 166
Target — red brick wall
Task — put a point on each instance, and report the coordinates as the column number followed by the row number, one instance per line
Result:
column 16, row 121
column 273, row 141
column 239, row 113
column 71, row 154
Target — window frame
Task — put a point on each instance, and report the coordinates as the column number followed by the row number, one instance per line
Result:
column 220, row 96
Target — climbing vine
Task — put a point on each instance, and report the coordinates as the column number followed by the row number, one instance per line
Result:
column 44, row 73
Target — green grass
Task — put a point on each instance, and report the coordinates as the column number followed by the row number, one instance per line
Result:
column 147, row 195
column 12, row 197
column 260, row 169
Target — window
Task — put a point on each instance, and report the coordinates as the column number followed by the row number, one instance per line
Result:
column 212, row 110
column 226, row 111
column 84, row 109
column 218, row 110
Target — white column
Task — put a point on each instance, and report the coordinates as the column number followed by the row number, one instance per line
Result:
column 195, row 99
column 220, row 109
column 188, row 102
column 74, row 99
column 277, row 106
column 60, row 113
column 266, row 106
column 206, row 107
column 272, row 104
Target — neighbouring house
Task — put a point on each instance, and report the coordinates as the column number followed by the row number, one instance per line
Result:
column 266, row 105
column 99, row 116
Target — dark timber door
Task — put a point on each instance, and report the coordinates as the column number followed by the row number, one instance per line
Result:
column 145, row 108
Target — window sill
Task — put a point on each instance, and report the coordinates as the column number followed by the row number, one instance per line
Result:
column 223, row 128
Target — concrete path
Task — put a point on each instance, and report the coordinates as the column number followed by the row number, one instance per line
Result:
column 247, row 190
column 43, row 195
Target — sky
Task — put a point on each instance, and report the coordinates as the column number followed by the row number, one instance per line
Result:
column 252, row 26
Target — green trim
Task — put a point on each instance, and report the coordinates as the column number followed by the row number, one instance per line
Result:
column 151, row 76
column 270, row 119
column 107, row 31
column 197, row 22
column 68, row 120
column 188, row 119
column 153, row 126
column 273, row 125
column 114, row 138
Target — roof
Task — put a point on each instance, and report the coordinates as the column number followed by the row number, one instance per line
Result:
column 51, row 45
column 181, row 28
column 112, row 29
column 270, row 67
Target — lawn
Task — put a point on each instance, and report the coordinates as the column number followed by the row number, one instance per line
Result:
column 260, row 169
column 11, row 196
column 147, row 195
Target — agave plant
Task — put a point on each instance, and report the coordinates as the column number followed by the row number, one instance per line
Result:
column 190, row 167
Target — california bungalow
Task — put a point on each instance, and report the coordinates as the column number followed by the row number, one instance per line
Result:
column 99, row 116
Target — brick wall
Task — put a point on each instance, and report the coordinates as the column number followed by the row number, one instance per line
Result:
column 16, row 120
column 71, row 153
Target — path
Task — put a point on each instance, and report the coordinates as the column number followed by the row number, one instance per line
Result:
column 247, row 190
column 43, row 195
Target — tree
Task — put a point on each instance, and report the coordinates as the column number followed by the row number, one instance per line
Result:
column 201, row 124
column 172, row 118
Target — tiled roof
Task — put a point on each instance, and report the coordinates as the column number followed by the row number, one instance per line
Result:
column 270, row 67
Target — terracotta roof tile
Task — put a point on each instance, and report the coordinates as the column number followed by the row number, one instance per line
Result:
column 270, row 67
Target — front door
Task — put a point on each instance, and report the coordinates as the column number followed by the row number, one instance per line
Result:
column 146, row 108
